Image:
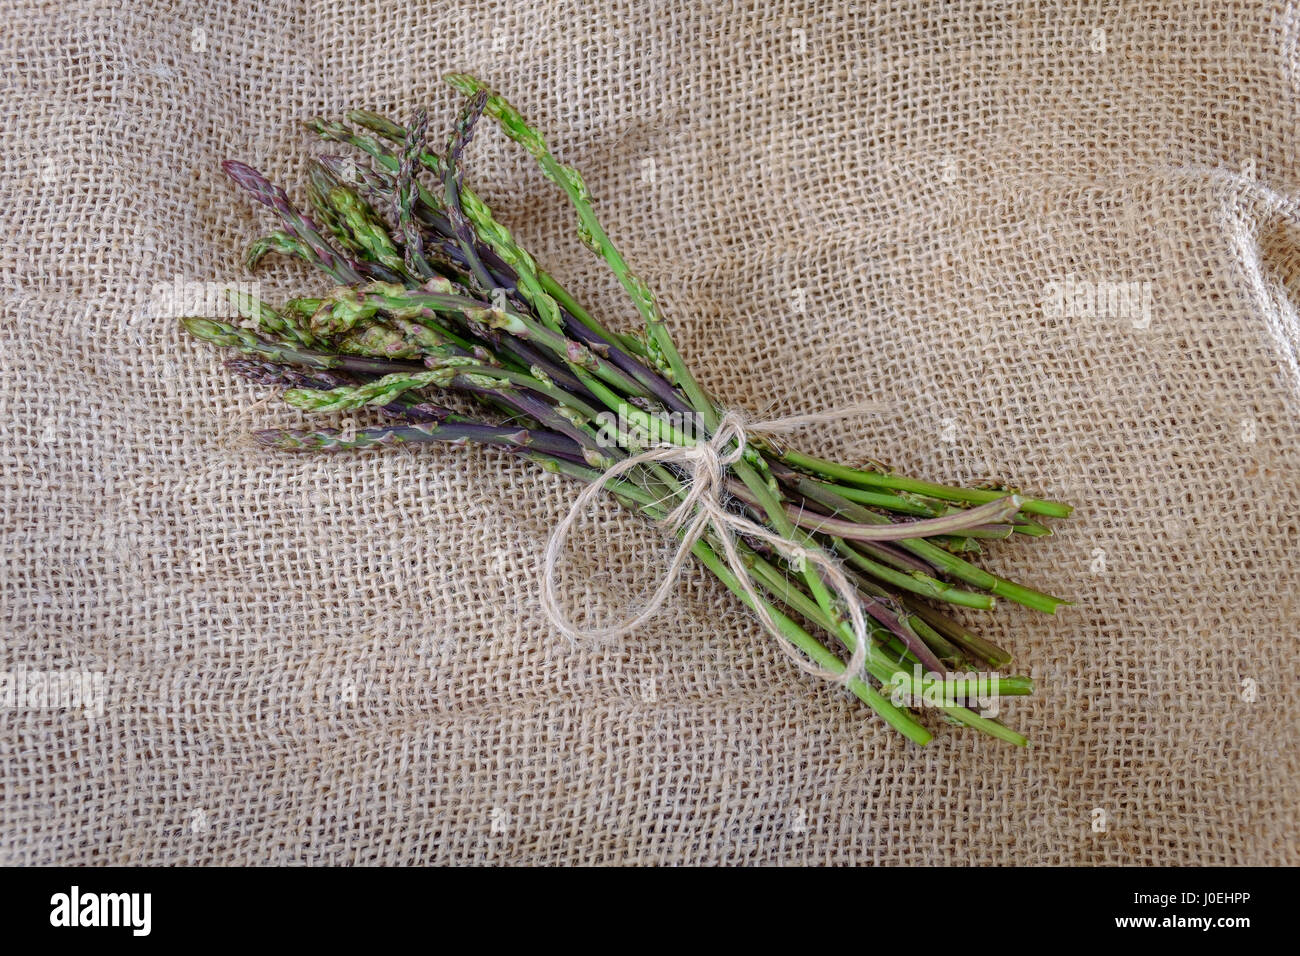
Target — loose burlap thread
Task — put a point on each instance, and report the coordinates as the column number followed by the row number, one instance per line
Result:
column 344, row 660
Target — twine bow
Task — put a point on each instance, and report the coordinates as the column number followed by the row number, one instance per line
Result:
column 700, row 511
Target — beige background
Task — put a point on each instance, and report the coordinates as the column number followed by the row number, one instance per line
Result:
column 342, row 660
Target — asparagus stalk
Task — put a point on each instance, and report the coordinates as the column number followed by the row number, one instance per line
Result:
column 455, row 432
column 510, row 258
column 872, row 479
column 297, row 225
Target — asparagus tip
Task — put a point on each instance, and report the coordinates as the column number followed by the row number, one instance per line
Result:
column 277, row 438
column 202, row 328
column 243, row 174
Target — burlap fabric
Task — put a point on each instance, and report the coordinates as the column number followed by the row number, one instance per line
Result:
column 1059, row 243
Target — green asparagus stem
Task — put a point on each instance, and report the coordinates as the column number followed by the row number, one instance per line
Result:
column 250, row 343
column 590, row 230
column 927, row 551
column 872, row 479
column 959, row 635
column 450, row 431
column 916, row 582
column 470, row 201
column 536, row 284
column 296, row 224
column 408, row 194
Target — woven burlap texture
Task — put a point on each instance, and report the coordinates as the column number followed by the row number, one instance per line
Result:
column 342, row 659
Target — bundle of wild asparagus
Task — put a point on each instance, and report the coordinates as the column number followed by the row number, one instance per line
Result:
column 431, row 293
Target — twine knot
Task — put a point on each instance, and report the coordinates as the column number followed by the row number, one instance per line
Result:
column 701, row 517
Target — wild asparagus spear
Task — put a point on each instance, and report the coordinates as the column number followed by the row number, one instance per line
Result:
column 297, row 225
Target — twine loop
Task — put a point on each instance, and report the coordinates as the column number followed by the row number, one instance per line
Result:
column 702, row 511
